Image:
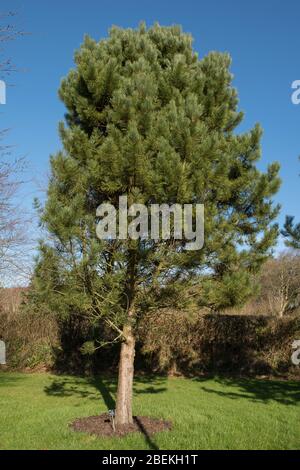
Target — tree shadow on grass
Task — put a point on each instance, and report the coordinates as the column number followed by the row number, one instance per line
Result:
column 77, row 386
column 152, row 384
column 256, row 390
column 106, row 388
column 152, row 445
column 10, row 381
column 65, row 387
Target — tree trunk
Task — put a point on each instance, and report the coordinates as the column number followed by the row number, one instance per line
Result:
column 126, row 364
column 125, row 380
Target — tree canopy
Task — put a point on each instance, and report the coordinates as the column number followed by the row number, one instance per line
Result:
column 148, row 118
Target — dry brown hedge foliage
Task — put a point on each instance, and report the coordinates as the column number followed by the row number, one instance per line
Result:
column 219, row 343
column 29, row 337
column 170, row 341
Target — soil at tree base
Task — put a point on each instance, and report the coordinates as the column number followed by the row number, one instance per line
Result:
column 101, row 425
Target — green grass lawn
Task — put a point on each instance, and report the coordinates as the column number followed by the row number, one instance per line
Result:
column 35, row 411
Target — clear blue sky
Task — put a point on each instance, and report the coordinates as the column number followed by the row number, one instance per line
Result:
column 261, row 36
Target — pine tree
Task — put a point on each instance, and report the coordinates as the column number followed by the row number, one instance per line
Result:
column 291, row 232
column 147, row 118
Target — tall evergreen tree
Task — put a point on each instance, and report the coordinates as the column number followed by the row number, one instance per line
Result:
column 147, row 118
column 291, row 232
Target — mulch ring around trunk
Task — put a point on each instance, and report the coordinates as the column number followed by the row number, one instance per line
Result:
column 102, row 426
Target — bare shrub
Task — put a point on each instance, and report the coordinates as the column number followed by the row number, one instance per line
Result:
column 278, row 291
column 280, row 285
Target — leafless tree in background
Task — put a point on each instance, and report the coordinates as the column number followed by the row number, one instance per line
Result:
column 12, row 221
column 8, row 32
column 280, row 284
